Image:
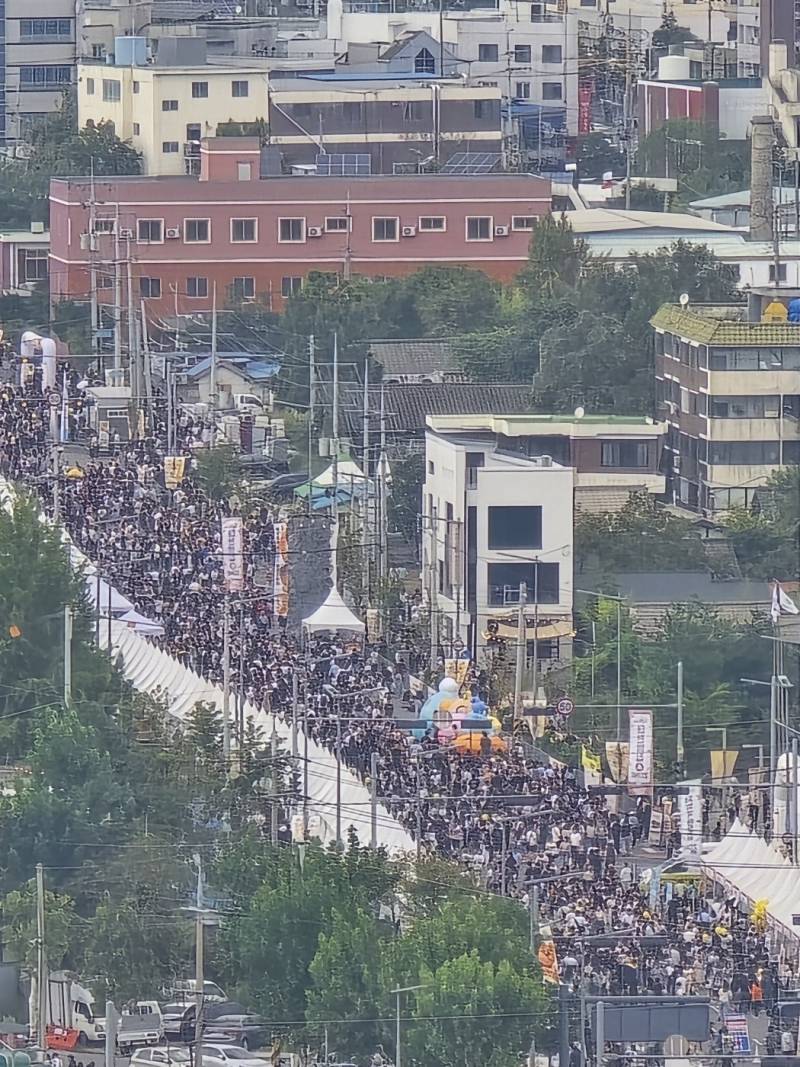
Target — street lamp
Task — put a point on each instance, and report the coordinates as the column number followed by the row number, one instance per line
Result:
column 397, row 992
column 776, row 682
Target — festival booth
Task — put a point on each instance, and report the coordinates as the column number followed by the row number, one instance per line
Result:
column 151, row 670
column 333, row 615
column 743, row 865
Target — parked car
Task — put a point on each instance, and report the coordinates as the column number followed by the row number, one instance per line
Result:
column 160, row 1057
column 215, row 1055
column 237, row 1028
column 178, row 1019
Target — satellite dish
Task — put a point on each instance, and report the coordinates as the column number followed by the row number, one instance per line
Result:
column 579, row 413
column 683, row 300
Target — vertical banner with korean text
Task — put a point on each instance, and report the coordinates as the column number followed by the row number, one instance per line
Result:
column 233, row 554
column 690, row 807
column 280, row 581
column 640, row 768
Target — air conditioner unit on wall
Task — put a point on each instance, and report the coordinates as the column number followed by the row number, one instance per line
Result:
column 125, row 234
column 314, row 231
column 409, row 231
column 501, row 231
column 172, row 232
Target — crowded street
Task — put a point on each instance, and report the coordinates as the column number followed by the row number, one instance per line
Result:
column 564, row 855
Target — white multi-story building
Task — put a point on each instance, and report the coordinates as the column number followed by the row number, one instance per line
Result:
column 492, row 520
column 528, row 50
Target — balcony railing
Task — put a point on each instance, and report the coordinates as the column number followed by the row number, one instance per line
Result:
column 402, row 7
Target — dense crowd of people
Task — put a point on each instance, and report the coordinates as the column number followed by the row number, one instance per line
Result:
column 562, row 852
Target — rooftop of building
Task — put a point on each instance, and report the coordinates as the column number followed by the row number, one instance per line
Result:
column 414, row 356
column 528, row 423
column 672, row 587
column 407, row 407
column 781, row 194
column 608, row 220
column 729, row 324
column 257, row 370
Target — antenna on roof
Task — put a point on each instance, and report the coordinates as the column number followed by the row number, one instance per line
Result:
column 683, row 300
column 579, row 413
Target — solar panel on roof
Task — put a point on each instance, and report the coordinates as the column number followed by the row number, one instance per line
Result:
column 344, row 164
column 472, row 163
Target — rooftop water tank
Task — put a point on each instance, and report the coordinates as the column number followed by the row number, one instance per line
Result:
column 130, row 51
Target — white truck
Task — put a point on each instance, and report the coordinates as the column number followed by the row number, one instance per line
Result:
column 139, row 1024
column 68, row 1007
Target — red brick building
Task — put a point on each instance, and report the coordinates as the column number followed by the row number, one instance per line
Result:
column 257, row 238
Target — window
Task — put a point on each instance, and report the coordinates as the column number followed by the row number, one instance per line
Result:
column 522, row 222
column 479, row 228
column 194, row 131
column 522, row 53
column 552, row 91
column 243, row 230
column 484, row 109
column 111, row 89
column 433, row 223
column 32, row 264
column 623, row 454
column 102, row 226
column 337, row 224
column 150, row 231
column 90, row 86
column 169, row 147
column 135, row 86
column 199, row 90
column 514, row 527
column 522, row 90
column 137, row 129
column 197, row 287
column 244, row 172
column 746, row 453
column 551, row 53
column 150, row 287
column 33, row 28
column 98, row 51
column 104, row 281
column 291, row 231
column 290, row 286
column 351, row 111
column 197, row 231
column 431, row 468
column 301, row 111
column 34, row 78
column 504, row 580
column 385, row 229
column 487, row 53
column 413, row 111
column 240, row 88
column 474, row 461
column 169, row 105
column 424, row 62
column 746, row 407
column 781, row 272
column 244, row 288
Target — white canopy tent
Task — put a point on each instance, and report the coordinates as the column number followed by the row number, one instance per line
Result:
column 744, row 863
column 334, row 614
column 141, row 624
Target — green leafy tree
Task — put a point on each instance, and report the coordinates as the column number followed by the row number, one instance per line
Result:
column 556, row 259
column 765, row 538
column 694, row 152
column 452, row 300
column 20, row 931
column 218, row 471
column 671, row 33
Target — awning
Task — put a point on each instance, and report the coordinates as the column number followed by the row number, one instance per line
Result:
column 142, row 625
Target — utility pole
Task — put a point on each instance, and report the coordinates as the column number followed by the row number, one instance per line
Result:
column 41, row 962
column 311, row 403
column 199, row 967
column 338, row 773
column 335, row 464
column 535, row 685
column 383, row 531
column 626, row 108
column 294, row 715
column 273, row 748
column 600, row 1033
column 373, row 796
column 226, row 682
column 67, row 655
column 212, row 381
column 365, row 524
column 520, row 660
column 93, row 313
column 619, row 669
column 680, row 752
column 433, row 599
column 117, row 298
column 56, row 486
column 146, row 375
column 533, row 909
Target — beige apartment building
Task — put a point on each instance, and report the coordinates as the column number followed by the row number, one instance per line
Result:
column 166, row 109
column 38, row 53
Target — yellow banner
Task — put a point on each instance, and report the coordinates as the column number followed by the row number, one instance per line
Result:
column 174, row 469
column 589, row 761
column 723, row 763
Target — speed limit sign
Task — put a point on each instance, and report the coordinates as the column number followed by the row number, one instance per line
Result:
column 565, row 707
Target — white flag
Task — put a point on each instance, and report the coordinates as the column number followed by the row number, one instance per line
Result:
column 782, row 603
column 232, row 554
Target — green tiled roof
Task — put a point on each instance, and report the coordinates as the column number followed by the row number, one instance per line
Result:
column 728, row 332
